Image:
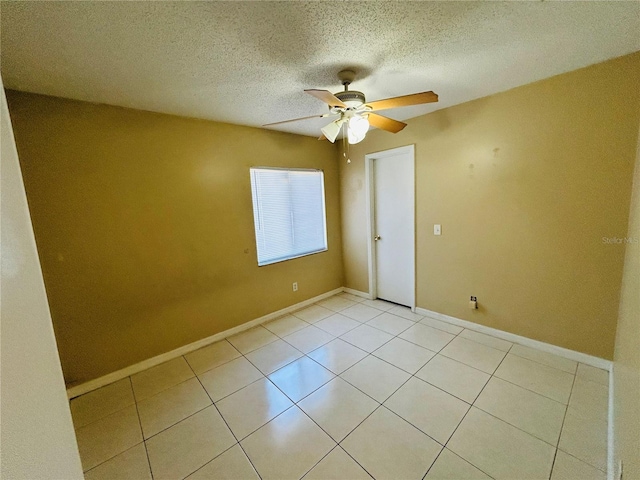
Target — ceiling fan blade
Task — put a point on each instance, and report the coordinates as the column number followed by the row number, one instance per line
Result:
column 327, row 97
column 404, row 101
column 297, row 119
column 385, row 123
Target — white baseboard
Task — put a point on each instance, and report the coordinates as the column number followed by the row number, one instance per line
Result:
column 528, row 342
column 94, row 384
column 357, row 293
column 178, row 352
column 549, row 348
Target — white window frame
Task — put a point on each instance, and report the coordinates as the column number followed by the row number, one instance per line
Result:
column 258, row 216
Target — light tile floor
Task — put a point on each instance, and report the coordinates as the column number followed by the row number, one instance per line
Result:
column 347, row 389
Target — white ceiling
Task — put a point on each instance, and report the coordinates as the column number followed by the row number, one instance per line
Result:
column 248, row 62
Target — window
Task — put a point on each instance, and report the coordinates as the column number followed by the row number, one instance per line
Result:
column 288, row 213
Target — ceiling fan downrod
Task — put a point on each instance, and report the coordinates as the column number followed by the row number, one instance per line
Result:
column 346, row 77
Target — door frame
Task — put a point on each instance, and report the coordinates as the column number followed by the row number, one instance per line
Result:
column 370, row 202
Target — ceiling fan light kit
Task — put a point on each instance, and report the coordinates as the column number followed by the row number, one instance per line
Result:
column 357, row 128
column 356, row 115
column 332, row 130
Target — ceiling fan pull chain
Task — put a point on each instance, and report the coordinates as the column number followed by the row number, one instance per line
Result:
column 345, row 144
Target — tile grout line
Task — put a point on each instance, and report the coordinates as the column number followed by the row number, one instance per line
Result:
column 564, row 417
column 511, row 347
column 380, row 404
column 136, row 401
column 344, row 340
column 533, row 391
column 140, row 423
column 288, row 315
column 540, row 363
column 311, row 325
column 266, row 377
column 505, row 356
column 174, row 424
column 338, row 375
column 109, row 414
column 339, row 336
column 355, row 428
column 282, row 366
column 257, row 348
column 276, row 386
column 311, row 392
column 434, row 462
column 144, row 440
column 278, row 389
column 350, row 456
column 556, row 448
column 414, row 426
column 242, row 388
column 219, row 365
column 363, row 323
column 464, row 460
column 509, row 351
column 179, row 421
column 217, row 456
column 413, row 375
column 127, row 449
column 371, row 354
column 582, row 461
column 465, row 416
column 111, row 458
column 442, row 390
column 384, row 331
column 228, row 427
column 459, row 335
column 166, row 389
column 138, row 415
column 338, row 443
column 364, row 358
column 323, row 457
column 514, row 426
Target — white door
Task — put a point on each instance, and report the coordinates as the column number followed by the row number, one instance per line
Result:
column 393, row 225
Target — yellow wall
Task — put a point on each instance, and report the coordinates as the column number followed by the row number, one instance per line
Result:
column 626, row 368
column 144, row 227
column 526, row 184
column 142, row 220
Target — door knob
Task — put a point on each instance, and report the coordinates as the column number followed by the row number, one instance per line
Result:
column 377, row 237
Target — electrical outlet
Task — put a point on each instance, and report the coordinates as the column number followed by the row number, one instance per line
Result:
column 473, row 303
column 295, row 286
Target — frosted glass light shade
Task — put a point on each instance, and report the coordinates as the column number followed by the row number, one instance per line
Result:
column 357, row 129
column 331, row 131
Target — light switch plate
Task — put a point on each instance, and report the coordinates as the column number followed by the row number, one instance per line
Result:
column 437, row 230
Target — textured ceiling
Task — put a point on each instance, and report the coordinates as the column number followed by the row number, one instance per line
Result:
column 249, row 62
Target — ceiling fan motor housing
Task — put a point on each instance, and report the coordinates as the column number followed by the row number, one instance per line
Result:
column 351, row 98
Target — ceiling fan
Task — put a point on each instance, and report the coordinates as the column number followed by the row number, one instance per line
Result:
column 355, row 114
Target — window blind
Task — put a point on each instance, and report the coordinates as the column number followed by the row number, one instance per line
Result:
column 288, row 212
